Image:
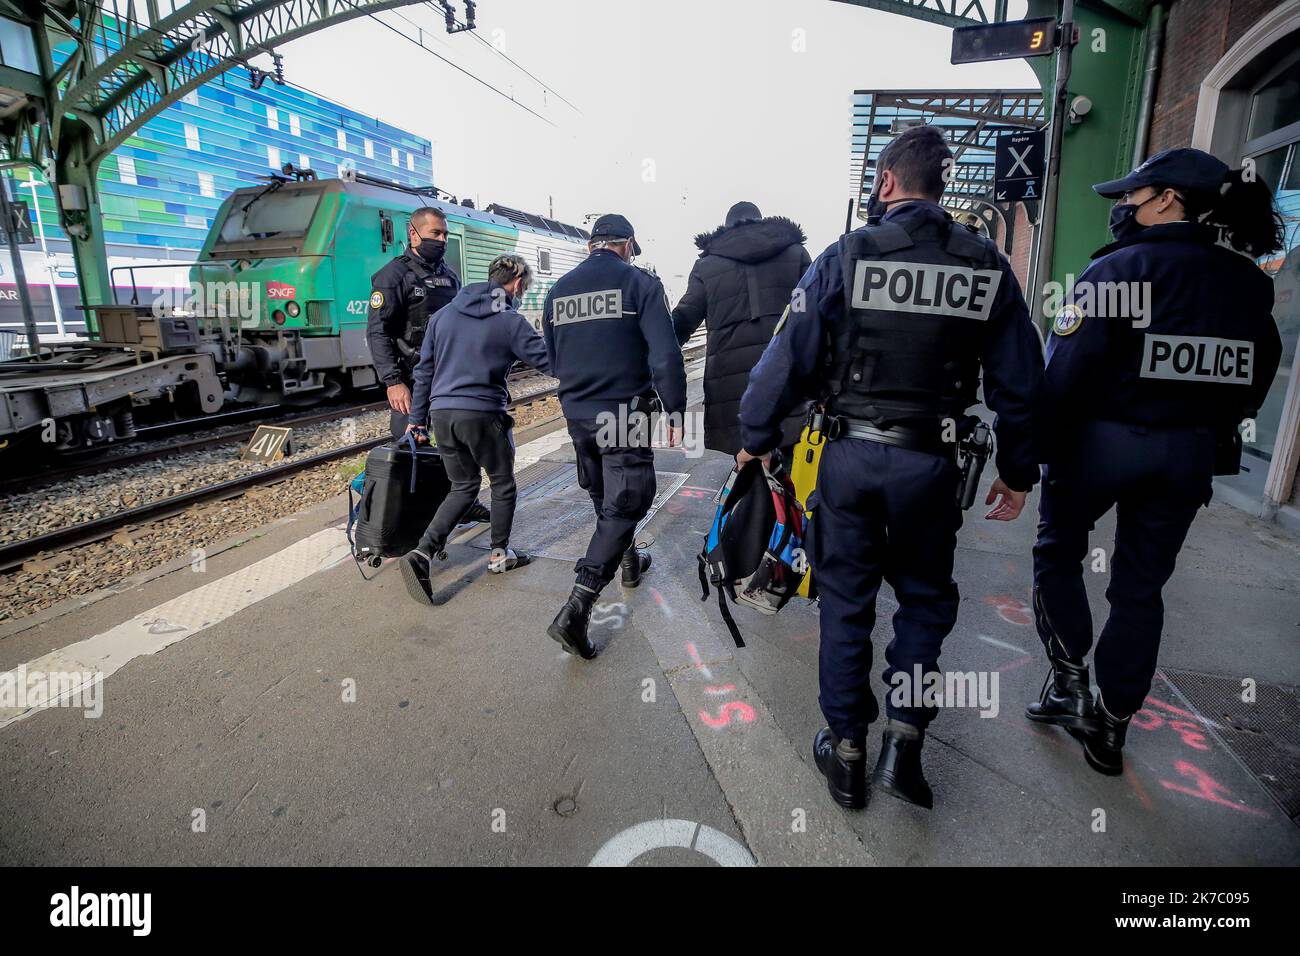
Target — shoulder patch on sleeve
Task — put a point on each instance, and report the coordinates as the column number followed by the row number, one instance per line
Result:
column 781, row 322
column 1068, row 320
column 376, row 300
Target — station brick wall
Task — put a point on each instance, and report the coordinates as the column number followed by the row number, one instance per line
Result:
column 1197, row 35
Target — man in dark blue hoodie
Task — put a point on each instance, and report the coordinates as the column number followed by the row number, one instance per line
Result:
column 612, row 346
column 460, row 389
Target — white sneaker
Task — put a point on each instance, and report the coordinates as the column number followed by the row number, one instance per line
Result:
column 502, row 560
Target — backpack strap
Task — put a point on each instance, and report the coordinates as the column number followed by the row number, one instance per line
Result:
column 353, row 511
column 352, row 520
column 728, row 620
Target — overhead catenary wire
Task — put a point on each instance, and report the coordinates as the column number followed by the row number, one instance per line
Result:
column 457, row 66
column 505, row 56
column 244, row 60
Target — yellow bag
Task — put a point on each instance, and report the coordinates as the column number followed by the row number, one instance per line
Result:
column 803, row 472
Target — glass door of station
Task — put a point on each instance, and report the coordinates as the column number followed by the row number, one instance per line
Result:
column 1273, row 143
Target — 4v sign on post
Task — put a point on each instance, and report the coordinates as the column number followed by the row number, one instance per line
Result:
column 1018, row 164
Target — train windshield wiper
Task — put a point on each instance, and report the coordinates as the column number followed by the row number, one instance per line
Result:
column 271, row 187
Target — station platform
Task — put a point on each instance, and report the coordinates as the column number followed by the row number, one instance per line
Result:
column 304, row 715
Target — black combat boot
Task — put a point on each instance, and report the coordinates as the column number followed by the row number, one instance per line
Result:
column 635, row 563
column 898, row 771
column 844, row 766
column 1066, row 698
column 570, row 625
column 1103, row 747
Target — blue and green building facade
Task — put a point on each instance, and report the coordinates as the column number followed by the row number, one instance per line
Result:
column 160, row 190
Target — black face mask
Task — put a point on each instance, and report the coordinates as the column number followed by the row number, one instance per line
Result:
column 1123, row 218
column 431, row 250
column 876, row 208
column 1123, row 221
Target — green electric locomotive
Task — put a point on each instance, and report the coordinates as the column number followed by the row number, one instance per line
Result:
column 300, row 254
column 275, row 311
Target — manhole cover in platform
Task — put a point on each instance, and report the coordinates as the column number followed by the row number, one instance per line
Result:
column 554, row 517
column 1264, row 735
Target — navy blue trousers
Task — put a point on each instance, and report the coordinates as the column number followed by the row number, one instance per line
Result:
column 1156, row 480
column 621, row 483
column 881, row 513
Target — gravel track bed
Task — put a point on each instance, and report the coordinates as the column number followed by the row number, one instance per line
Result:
column 45, row 581
column 83, row 498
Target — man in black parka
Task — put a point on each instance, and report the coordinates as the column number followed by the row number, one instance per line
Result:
column 739, row 287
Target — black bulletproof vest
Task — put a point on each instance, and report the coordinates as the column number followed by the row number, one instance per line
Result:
column 429, row 293
column 917, row 306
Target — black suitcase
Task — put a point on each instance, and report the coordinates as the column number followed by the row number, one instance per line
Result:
column 404, row 485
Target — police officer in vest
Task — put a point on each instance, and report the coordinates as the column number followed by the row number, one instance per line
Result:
column 889, row 330
column 1166, row 344
column 403, row 295
column 611, row 344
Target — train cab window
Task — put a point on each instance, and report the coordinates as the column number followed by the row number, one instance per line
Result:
column 453, row 256
column 544, row 261
column 268, row 214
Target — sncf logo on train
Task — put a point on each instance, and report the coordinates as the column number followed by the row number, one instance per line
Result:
column 280, row 290
column 606, row 304
column 1198, row 358
column 926, row 288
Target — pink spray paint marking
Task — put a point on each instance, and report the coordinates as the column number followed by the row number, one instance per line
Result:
column 1207, row 788
column 733, row 711
column 663, row 604
column 691, row 491
column 1014, row 665
column 1189, row 730
column 699, row 663
column 1010, row 609
column 734, row 708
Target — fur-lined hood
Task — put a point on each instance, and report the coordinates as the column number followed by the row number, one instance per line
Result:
column 754, row 241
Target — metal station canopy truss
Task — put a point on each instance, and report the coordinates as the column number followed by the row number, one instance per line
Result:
column 106, row 67
column 79, row 77
column 949, row 13
column 969, row 119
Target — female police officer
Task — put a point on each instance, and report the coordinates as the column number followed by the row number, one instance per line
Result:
column 1165, row 345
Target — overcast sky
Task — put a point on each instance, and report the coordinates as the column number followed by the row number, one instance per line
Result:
column 683, row 107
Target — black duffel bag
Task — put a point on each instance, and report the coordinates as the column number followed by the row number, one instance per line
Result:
column 402, row 486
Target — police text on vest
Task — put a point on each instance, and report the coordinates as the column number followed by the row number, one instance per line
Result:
column 605, row 304
column 926, row 288
column 1198, row 358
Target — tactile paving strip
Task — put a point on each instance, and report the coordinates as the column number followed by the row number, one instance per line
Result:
column 1264, row 734
column 554, row 517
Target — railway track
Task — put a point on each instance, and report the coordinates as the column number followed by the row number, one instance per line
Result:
column 14, row 554
column 42, row 476
column 155, row 452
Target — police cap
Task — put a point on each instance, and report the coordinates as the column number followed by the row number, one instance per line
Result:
column 613, row 226
column 1193, row 170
